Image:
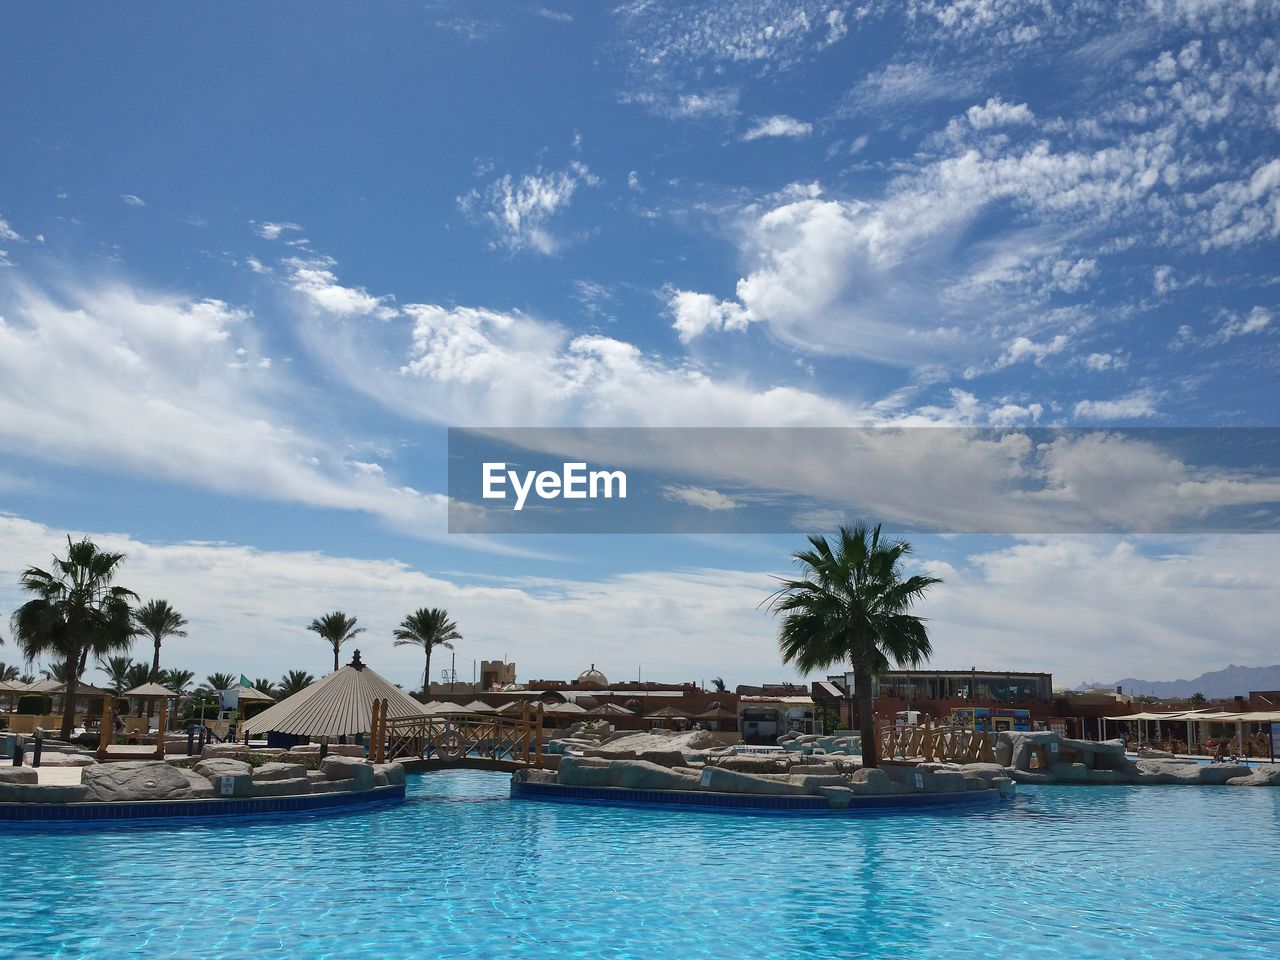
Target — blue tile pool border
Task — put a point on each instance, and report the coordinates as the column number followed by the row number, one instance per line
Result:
column 155, row 811
column 748, row 803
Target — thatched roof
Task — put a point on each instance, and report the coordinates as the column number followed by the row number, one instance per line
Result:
column 149, row 690
column 83, row 690
column 253, row 695
column 339, row 705
column 667, row 713
column 563, row 708
column 613, row 710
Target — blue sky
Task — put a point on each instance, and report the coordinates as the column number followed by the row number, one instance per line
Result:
column 254, row 268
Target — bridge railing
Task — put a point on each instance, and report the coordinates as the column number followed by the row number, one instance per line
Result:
column 931, row 743
column 457, row 736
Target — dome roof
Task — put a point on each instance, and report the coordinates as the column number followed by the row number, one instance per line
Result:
column 592, row 675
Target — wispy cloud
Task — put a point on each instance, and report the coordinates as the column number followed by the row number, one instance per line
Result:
column 133, row 200
column 178, row 389
column 520, row 209
column 778, row 125
column 273, row 231
column 1132, row 407
column 704, row 498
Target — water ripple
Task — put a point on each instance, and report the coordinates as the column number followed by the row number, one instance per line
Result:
column 462, row 872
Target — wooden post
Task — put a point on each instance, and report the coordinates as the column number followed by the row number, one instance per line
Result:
column 106, row 727
column 524, row 727
column 164, row 711
column 928, row 741
column 382, row 732
column 537, row 756
column 375, row 722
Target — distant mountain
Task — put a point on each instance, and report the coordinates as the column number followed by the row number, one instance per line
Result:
column 1217, row 684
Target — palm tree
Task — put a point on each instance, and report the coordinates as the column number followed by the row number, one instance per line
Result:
column 427, row 628
column 264, row 685
column 220, row 681
column 336, row 628
column 177, row 681
column 852, row 604
column 76, row 610
column 117, row 671
column 55, row 671
column 718, row 683
column 138, row 674
column 293, row 681
column 159, row 621
column 8, row 673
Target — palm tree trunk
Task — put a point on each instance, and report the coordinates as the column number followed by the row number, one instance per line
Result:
column 426, row 676
column 69, row 696
column 866, row 718
column 155, row 677
column 335, row 658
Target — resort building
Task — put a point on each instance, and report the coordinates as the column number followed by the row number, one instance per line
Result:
column 630, row 705
column 764, row 717
column 1002, row 698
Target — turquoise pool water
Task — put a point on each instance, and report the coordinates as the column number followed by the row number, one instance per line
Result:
column 461, row 871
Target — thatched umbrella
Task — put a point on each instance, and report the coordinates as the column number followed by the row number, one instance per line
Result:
column 612, row 710
column 667, row 713
column 339, row 705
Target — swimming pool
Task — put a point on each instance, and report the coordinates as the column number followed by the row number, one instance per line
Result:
column 462, row 871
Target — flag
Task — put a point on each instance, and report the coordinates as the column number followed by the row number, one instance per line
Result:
column 244, row 681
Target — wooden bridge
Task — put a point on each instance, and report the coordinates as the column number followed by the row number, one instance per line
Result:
column 447, row 741
column 931, row 744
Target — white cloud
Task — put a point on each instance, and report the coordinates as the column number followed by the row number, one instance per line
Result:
column 713, row 103
column 557, row 16
column 248, row 610
column 696, row 313
column 996, row 113
column 704, row 498
column 597, row 300
column 1015, row 414
column 273, row 231
column 519, row 209
column 1140, row 404
column 133, row 200
column 469, row 365
column 900, row 83
column 1072, row 277
column 1022, row 348
column 837, row 28
column 778, row 125
column 7, row 232
column 176, row 389
column 314, row 278
column 1232, row 325
column 1113, row 608
column 1099, row 361
column 1242, row 211
column 665, row 36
